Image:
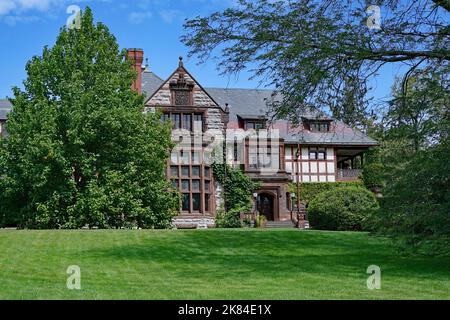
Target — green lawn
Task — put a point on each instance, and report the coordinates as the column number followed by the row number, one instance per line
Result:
column 212, row 264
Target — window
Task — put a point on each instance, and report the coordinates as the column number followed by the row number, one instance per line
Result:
column 253, row 157
column 196, row 185
column 207, row 197
column 196, row 171
column 165, row 117
column 263, row 157
column 255, row 125
column 319, row 126
column 317, row 154
column 196, row 201
column 194, row 181
column 207, row 186
column 174, row 171
column 185, row 185
column 186, row 121
column 195, row 157
column 174, row 158
column 198, row 122
column 175, row 117
column 185, row 203
column 185, row 171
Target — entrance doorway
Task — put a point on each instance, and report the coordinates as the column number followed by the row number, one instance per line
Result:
column 265, row 206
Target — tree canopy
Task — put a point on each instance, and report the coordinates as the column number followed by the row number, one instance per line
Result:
column 321, row 53
column 80, row 151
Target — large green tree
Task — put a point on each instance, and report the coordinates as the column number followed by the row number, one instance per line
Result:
column 80, row 150
column 412, row 163
column 322, row 53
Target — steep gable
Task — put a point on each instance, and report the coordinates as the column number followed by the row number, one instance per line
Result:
column 181, row 89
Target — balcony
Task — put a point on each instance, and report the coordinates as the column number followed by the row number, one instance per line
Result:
column 349, row 174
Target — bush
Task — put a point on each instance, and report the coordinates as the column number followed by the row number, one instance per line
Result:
column 342, row 209
column 261, row 221
column 230, row 219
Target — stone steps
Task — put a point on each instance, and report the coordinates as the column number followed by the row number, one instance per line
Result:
column 280, row 224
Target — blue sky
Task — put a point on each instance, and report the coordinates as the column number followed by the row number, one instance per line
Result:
column 153, row 25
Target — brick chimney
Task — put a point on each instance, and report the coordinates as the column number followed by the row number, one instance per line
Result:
column 136, row 56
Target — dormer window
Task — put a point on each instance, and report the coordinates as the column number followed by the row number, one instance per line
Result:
column 319, row 126
column 254, row 125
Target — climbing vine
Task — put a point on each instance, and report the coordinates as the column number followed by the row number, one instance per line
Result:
column 238, row 188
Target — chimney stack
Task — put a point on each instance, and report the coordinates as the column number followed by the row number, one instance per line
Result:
column 136, row 56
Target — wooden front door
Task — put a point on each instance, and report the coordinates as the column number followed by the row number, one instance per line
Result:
column 265, row 206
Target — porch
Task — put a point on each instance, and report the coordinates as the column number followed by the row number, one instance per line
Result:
column 350, row 163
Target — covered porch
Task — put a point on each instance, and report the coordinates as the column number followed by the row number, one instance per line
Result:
column 350, row 163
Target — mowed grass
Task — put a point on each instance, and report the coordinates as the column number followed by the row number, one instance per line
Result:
column 213, row 264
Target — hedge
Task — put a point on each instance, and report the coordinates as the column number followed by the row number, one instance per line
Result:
column 308, row 191
column 342, row 209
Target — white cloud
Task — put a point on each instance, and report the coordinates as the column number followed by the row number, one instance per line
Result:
column 16, row 7
column 19, row 6
column 7, row 6
column 13, row 20
column 41, row 5
column 170, row 15
column 139, row 17
column 26, row 11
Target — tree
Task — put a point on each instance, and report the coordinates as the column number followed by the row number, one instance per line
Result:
column 419, row 111
column 415, row 210
column 80, row 151
column 316, row 53
column 412, row 163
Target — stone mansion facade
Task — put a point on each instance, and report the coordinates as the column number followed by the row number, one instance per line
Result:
column 320, row 149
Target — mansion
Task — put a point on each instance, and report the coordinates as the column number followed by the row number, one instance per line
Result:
column 274, row 153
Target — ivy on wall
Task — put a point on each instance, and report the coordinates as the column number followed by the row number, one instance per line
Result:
column 308, row 191
column 238, row 188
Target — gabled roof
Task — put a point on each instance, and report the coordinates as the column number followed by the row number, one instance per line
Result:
column 252, row 104
column 342, row 135
column 180, row 74
column 150, row 83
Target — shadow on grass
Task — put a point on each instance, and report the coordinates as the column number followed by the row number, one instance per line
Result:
column 278, row 254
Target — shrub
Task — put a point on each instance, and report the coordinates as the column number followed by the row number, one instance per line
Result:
column 261, row 221
column 229, row 219
column 343, row 209
column 308, row 191
column 372, row 175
